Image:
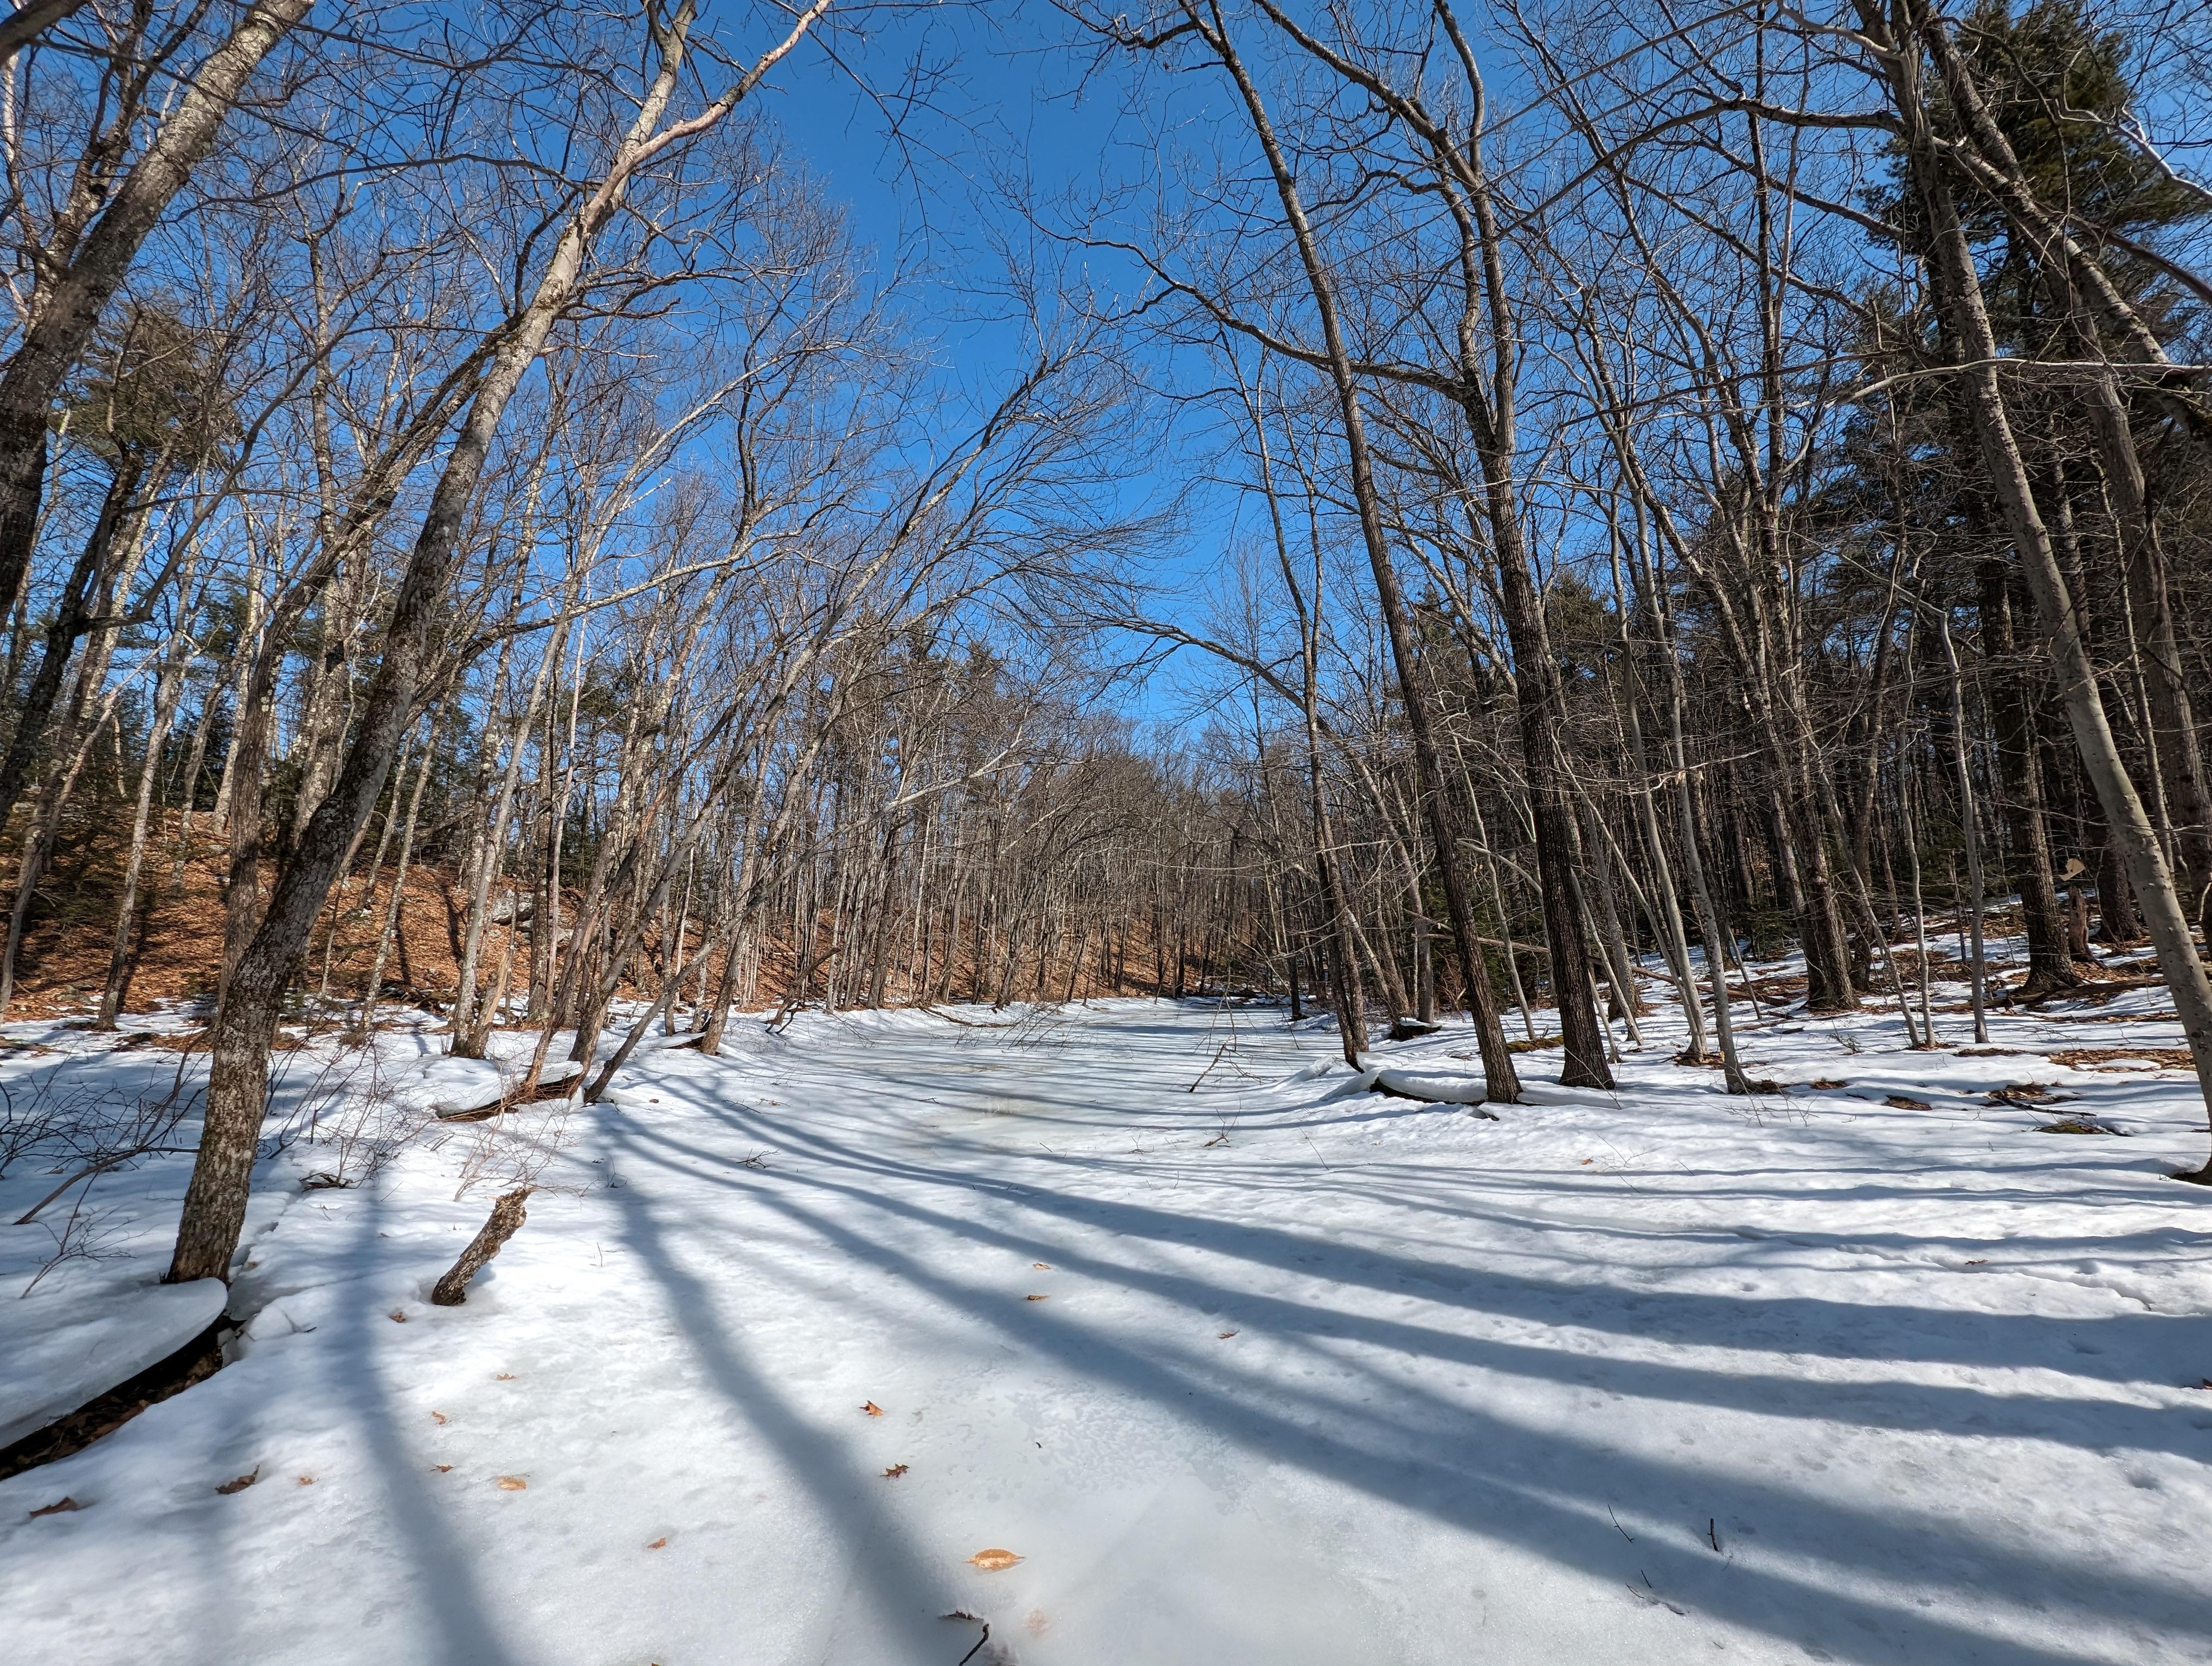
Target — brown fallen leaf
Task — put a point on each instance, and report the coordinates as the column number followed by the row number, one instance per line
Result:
column 396, row 1317
column 443, row 1469
column 872, row 1408
column 1587, row 1161
column 512, row 1484
column 1042, row 1266
column 1903, row 1101
column 59, row 1507
column 504, row 1377
column 994, row 1561
column 1827, row 1083
column 1983, row 1261
column 660, row 1543
column 1225, row 1335
column 1033, row 1298
column 241, row 1483
column 895, row 1472
column 437, row 1417
column 306, row 1480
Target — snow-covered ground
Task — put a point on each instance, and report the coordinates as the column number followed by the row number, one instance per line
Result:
column 1263, row 1370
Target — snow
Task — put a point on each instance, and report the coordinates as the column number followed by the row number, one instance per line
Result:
column 59, row 1355
column 1654, row 1376
column 447, row 1086
column 1442, row 1090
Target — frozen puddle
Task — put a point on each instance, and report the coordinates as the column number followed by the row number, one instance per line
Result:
column 1321, row 1379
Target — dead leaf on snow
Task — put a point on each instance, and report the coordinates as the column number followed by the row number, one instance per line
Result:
column 1827, row 1083
column 512, row 1484
column 443, row 1469
column 241, row 1483
column 504, row 1377
column 1587, row 1161
column 1042, row 1266
column 1902, row 1102
column 1033, row 1298
column 660, row 1543
column 994, row 1561
column 59, row 1507
column 306, row 1480
column 895, row 1472
column 396, row 1317
column 437, row 1417
column 1224, row 1335
column 872, row 1408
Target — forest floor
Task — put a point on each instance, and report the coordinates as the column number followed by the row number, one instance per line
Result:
column 69, row 933
column 1245, row 1364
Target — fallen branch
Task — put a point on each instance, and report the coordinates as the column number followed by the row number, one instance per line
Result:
column 1208, row 1070
column 965, row 1024
column 506, row 1218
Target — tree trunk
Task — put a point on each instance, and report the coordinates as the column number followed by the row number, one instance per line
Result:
column 165, row 692
column 1500, row 1082
column 214, row 1203
column 2049, row 961
column 66, row 306
column 1959, row 297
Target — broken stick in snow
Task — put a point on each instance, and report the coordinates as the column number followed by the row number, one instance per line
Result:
column 507, row 1218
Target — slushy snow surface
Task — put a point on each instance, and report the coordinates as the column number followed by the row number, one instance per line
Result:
column 1266, row 1371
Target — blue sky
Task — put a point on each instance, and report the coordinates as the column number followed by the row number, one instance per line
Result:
column 1004, row 103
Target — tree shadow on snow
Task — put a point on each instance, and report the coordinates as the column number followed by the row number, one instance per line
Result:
column 1544, row 1488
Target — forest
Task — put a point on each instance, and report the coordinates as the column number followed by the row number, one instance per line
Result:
column 1448, row 710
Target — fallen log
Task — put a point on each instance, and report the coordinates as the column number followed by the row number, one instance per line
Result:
column 553, row 1083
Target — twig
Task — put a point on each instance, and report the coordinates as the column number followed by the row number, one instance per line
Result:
column 980, row 1642
column 1651, row 1594
column 1208, row 1070
column 81, row 1239
column 100, row 1167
